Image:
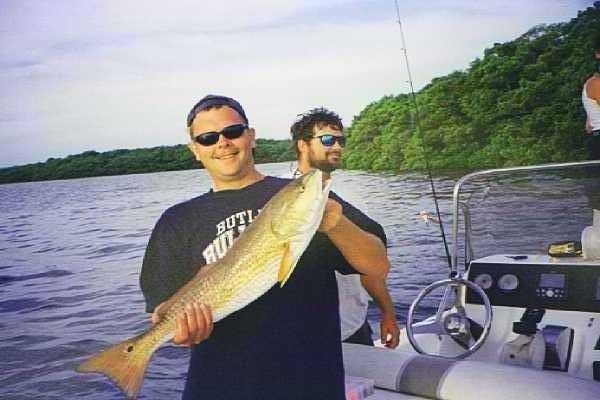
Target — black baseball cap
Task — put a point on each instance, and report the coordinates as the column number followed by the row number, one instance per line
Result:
column 213, row 100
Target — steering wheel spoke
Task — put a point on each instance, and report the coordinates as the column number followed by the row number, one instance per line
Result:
column 432, row 327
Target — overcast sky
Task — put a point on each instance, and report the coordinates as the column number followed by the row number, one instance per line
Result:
column 79, row 75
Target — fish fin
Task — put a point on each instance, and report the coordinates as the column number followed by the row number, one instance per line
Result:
column 125, row 363
column 287, row 264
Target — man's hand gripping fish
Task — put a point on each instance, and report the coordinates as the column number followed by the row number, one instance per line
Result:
column 264, row 254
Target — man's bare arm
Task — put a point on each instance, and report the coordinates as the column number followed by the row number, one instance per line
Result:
column 363, row 250
column 377, row 289
column 593, row 89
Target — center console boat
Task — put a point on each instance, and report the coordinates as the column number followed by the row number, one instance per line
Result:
column 513, row 324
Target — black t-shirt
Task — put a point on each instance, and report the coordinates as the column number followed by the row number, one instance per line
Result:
column 284, row 345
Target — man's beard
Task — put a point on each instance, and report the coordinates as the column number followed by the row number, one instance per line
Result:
column 323, row 165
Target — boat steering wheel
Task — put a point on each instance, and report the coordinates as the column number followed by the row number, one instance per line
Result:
column 453, row 322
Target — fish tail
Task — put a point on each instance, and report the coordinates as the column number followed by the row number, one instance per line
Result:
column 125, row 363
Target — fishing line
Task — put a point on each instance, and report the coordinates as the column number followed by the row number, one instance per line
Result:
column 418, row 126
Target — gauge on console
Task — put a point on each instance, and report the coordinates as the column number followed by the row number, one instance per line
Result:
column 508, row 282
column 484, row 281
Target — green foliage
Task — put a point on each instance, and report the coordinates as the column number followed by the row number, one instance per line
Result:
column 519, row 105
column 270, row 150
column 137, row 161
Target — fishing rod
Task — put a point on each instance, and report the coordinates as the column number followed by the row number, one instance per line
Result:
column 420, row 132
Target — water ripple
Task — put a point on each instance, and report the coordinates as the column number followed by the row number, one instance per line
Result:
column 56, row 273
column 20, row 304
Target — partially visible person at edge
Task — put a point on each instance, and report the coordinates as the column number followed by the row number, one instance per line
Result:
column 286, row 344
column 591, row 102
column 318, row 138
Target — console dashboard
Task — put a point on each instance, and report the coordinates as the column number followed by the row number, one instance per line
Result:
column 537, row 281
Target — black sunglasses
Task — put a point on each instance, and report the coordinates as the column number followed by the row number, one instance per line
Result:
column 230, row 132
column 329, row 140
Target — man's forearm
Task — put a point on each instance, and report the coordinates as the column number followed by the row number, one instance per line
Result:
column 389, row 329
column 363, row 250
column 377, row 289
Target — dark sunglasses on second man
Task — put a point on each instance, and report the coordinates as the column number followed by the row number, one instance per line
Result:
column 329, row 140
column 230, row 132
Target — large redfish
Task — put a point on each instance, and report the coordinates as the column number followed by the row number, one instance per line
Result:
column 264, row 254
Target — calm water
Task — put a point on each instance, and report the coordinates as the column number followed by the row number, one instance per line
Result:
column 70, row 255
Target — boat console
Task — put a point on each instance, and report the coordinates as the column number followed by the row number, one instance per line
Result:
column 506, row 326
column 537, row 281
column 545, row 311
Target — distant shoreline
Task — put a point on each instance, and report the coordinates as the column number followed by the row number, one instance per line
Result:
column 136, row 161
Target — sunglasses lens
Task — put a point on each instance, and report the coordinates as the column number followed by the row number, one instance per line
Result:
column 329, row 140
column 230, row 132
column 233, row 131
column 207, row 139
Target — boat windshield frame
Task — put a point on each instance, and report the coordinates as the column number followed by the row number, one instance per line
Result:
column 458, row 206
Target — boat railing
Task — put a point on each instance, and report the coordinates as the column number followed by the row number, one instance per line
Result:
column 462, row 206
column 469, row 254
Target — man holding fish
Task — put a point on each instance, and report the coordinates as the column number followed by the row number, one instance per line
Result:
column 211, row 270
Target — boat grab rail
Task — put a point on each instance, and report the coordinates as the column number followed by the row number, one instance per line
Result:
column 466, row 178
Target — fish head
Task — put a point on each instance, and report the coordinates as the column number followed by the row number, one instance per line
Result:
column 298, row 208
